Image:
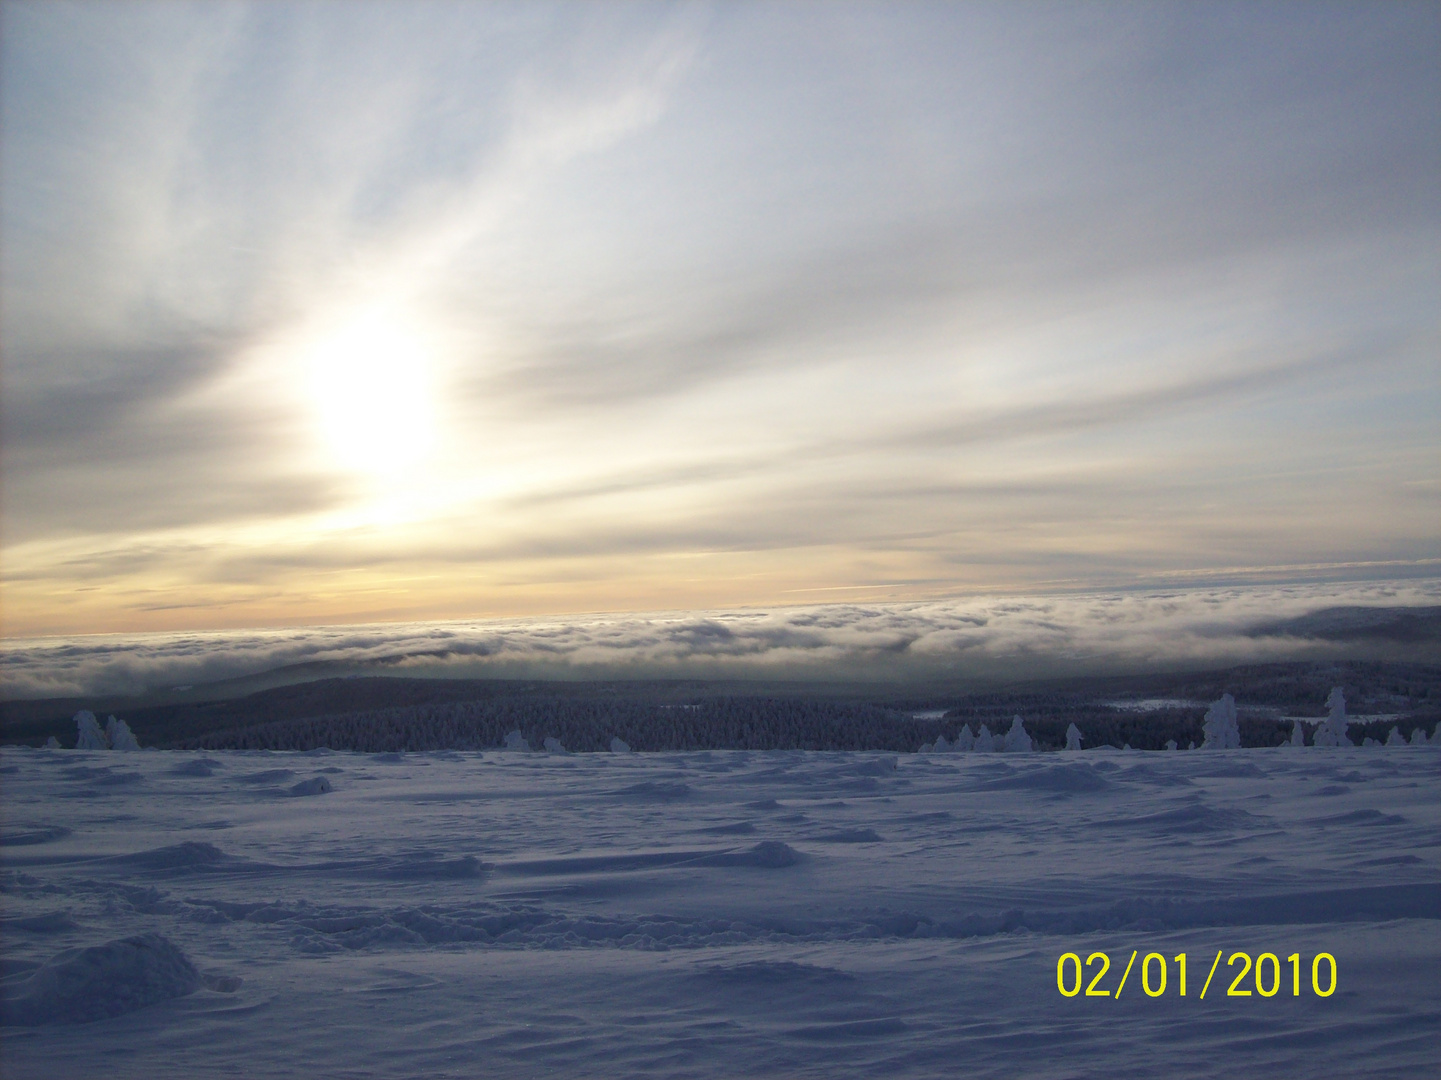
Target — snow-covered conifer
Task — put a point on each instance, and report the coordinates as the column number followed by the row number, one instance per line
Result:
column 965, row 741
column 88, row 733
column 1073, row 738
column 985, row 741
column 1298, row 733
column 1017, row 740
column 1418, row 736
column 1220, row 725
column 1395, row 739
column 516, row 741
column 119, row 735
column 1332, row 730
column 619, row 745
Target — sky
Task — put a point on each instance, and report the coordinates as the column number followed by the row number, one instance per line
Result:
column 315, row 314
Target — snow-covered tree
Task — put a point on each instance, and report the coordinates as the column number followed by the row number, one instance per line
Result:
column 1073, row 738
column 985, row 741
column 119, row 735
column 1298, row 733
column 965, row 741
column 619, row 746
column 516, row 741
column 553, row 746
column 1171, row 744
column 1332, row 730
column 1220, row 725
column 1395, row 739
column 88, row 733
column 1017, row 739
column 1418, row 736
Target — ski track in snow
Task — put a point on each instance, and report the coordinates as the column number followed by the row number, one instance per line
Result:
column 709, row 914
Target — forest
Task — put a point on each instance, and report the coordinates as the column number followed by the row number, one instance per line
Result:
column 377, row 715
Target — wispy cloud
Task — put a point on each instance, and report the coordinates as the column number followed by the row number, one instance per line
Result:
column 714, row 304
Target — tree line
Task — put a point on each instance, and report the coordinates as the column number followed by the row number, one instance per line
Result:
column 725, row 723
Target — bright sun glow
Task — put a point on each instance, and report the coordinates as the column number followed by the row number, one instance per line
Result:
column 371, row 377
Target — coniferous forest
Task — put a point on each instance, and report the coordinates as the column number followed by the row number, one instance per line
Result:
column 377, row 715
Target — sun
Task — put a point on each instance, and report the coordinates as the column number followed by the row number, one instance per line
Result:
column 370, row 380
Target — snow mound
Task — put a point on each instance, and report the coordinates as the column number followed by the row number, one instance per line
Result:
column 1367, row 816
column 619, row 746
column 25, row 837
column 52, row 743
column 553, row 746
column 1061, row 779
column 428, row 867
column 88, row 733
column 317, row 785
column 269, row 776
column 1195, row 817
column 79, row 986
column 194, row 768
column 851, row 836
column 881, row 766
column 769, row 855
column 175, row 856
column 51, row 922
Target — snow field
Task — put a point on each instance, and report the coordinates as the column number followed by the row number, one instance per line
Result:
column 710, row 914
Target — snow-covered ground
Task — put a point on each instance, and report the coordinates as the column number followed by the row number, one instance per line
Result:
column 713, row 914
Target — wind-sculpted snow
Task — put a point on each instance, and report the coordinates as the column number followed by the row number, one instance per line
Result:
column 83, row 985
column 714, row 913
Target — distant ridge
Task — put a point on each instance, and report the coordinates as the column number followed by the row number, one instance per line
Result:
column 1407, row 625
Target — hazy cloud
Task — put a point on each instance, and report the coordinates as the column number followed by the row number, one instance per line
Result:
column 976, row 295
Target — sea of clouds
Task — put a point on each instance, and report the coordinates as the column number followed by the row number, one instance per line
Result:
column 988, row 637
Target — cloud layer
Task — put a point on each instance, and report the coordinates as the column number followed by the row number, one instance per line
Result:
column 983, row 640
